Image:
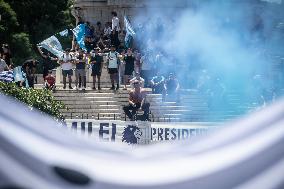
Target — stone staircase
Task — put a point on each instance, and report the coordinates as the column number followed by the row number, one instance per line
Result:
column 107, row 105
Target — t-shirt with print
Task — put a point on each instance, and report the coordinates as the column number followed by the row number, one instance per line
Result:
column 66, row 65
column 96, row 61
column 81, row 64
column 113, row 60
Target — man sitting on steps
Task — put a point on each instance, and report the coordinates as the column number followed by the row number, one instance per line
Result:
column 137, row 101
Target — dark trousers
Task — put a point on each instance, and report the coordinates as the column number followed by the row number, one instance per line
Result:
column 30, row 81
column 130, row 115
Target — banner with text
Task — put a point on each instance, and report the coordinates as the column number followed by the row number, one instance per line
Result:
column 140, row 132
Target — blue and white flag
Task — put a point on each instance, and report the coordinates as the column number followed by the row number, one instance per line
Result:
column 129, row 32
column 64, row 33
column 18, row 74
column 79, row 33
column 52, row 45
column 7, row 76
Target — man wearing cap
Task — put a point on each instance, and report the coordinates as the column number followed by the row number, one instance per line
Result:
column 113, row 66
column 66, row 65
column 96, row 61
column 137, row 100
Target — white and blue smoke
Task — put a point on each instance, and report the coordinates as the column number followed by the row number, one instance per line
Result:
column 238, row 45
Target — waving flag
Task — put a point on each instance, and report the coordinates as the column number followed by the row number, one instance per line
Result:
column 129, row 33
column 18, row 74
column 64, row 33
column 79, row 33
column 52, row 45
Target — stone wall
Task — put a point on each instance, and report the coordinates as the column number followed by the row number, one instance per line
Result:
column 100, row 10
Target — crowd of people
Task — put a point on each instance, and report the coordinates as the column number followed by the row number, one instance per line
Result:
column 141, row 65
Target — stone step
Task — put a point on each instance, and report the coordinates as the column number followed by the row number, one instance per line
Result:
column 92, row 111
column 92, row 106
column 62, row 94
column 75, row 116
column 98, row 102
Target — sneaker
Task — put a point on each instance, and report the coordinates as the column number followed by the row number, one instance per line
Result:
column 64, row 87
column 70, row 87
column 76, row 88
column 83, row 89
column 117, row 88
column 100, row 88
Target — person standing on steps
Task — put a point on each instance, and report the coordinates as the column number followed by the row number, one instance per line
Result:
column 129, row 66
column 66, row 64
column 96, row 61
column 113, row 66
column 80, row 70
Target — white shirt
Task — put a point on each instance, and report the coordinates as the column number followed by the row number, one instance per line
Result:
column 115, row 23
column 66, row 65
column 112, row 58
column 107, row 31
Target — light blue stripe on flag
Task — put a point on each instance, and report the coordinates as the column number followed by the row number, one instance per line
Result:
column 64, row 33
column 79, row 33
column 129, row 32
column 52, row 45
column 18, row 75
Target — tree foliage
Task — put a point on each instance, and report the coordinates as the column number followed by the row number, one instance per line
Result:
column 21, row 43
column 31, row 21
column 8, row 22
column 40, row 99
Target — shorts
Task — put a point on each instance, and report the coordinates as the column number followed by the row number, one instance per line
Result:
column 112, row 70
column 67, row 72
column 96, row 70
column 80, row 72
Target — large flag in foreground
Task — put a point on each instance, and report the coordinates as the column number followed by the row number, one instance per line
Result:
column 52, row 45
column 79, row 33
column 129, row 33
column 35, row 152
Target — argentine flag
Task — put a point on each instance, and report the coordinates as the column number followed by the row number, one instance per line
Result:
column 129, row 32
column 7, row 76
column 79, row 33
column 64, row 33
column 52, row 45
